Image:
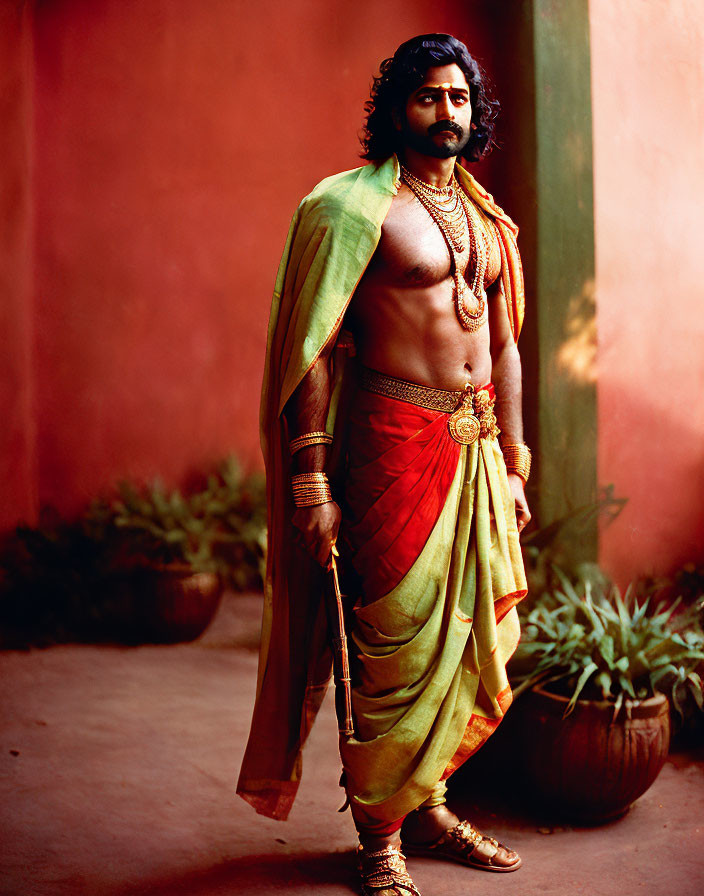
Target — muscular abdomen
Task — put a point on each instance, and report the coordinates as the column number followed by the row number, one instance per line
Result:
column 403, row 311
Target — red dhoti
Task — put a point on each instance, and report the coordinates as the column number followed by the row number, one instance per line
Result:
column 430, row 531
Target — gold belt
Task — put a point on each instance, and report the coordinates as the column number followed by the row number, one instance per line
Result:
column 471, row 410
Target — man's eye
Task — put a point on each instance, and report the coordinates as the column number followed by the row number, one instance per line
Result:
column 459, row 99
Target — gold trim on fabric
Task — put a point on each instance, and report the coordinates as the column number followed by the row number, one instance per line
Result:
column 423, row 396
column 472, row 411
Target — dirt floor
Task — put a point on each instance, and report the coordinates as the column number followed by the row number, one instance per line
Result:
column 118, row 770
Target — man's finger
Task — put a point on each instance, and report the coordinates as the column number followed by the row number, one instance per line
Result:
column 324, row 554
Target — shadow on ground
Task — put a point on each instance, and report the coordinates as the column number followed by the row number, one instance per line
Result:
column 296, row 873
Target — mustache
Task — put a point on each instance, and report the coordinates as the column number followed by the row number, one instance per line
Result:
column 446, row 125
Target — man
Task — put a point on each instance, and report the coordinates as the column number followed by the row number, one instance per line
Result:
column 392, row 372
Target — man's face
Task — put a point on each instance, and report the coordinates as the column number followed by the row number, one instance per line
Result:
column 438, row 114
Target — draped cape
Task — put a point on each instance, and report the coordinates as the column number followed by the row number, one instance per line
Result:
column 330, row 242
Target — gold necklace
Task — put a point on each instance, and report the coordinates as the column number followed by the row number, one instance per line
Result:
column 458, row 221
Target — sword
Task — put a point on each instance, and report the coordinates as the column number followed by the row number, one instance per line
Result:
column 341, row 660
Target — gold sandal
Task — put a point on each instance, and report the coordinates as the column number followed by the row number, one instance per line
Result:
column 466, row 845
column 384, row 869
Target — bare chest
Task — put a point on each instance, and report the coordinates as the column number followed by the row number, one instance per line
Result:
column 413, row 252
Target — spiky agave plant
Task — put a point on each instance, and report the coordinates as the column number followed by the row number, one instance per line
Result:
column 600, row 644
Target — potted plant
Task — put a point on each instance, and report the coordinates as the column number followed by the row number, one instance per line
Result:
column 596, row 671
column 148, row 564
column 182, row 547
column 56, row 585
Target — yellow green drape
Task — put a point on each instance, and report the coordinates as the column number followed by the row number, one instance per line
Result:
column 331, row 240
column 433, row 651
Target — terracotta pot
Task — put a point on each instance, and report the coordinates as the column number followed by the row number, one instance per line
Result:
column 589, row 765
column 178, row 604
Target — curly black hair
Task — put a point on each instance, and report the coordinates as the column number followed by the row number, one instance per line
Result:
column 403, row 73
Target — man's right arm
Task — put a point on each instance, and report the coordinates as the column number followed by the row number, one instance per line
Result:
column 307, row 411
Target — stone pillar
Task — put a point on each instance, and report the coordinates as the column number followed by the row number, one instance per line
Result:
column 546, row 176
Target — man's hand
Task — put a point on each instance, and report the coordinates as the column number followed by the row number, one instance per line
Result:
column 318, row 527
column 519, row 496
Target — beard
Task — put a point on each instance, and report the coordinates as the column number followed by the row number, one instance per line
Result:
column 427, row 146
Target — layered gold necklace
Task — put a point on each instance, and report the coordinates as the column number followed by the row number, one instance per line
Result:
column 459, row 223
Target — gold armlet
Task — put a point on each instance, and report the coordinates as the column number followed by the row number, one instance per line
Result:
column 310, row 489
column 517, row 459
column 309, row 438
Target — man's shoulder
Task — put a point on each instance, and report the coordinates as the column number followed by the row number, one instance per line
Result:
column 483, row 199
column 355, row 193
column 337, row 183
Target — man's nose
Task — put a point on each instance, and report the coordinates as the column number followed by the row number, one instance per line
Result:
column 444, row 108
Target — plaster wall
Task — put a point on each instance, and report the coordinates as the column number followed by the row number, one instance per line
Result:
column 648, row 108
column 173, row 141
column 18, row 491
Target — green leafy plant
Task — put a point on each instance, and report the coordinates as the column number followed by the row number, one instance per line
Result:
column 220, row 527
column 588, row 640
column 54, row 585
column 80, row 580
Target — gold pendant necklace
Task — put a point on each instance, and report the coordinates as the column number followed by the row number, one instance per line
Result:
column 457, row 220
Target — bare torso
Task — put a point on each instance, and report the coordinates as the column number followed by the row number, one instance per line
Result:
column 403, row 314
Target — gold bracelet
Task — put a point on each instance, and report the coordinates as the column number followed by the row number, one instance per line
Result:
column 517, row 459
column 313, row 499
column 310, row 489
column 309, row 438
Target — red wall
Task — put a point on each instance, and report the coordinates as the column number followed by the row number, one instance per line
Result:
column 18, row 473
column 153, row 153
column 173, row 141
column 648, row 99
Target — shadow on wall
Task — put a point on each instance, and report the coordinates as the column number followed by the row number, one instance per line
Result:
column 576, row 358
column 659, row 529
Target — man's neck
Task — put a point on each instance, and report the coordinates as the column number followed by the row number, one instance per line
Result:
column 437, row 172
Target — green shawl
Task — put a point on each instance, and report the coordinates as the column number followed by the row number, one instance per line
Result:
column 332, row 238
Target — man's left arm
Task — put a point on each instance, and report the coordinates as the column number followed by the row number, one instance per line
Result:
column 506, row 376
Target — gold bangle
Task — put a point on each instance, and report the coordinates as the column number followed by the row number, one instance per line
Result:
column 517, row 459
column 316, row 476
column 309, row 438
column 312, row 500
column 310, row 489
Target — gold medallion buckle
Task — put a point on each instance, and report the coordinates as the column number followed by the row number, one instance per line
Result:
column 463, row 424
